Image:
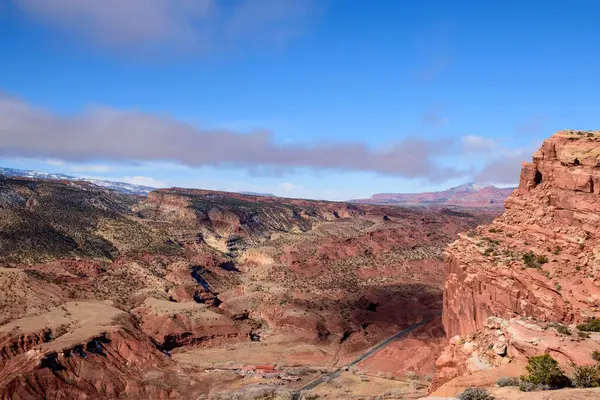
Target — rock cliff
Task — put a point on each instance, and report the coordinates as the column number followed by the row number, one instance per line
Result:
column 518, row 286
column 541, row 258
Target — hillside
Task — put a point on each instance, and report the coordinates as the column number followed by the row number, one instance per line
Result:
column 468, row 195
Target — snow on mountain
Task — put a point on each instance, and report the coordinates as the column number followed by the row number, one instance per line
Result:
column 118, row 186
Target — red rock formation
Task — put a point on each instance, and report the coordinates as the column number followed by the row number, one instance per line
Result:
column 540, row 258
column 467, row 195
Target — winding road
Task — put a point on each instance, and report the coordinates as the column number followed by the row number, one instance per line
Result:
column 326, row 378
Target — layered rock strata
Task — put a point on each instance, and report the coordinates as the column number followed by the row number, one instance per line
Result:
column 541, row 258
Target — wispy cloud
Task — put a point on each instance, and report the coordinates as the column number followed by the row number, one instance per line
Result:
column 288, row 186
column 532, row 126
column 118, row 135
column 477, row 144
column 91, row 168
column 434, row 117
column 144, row 181
column 504, row 169
column 180, row 25
column 434, row 52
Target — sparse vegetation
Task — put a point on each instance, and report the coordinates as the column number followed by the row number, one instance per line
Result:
column 560, row 328
column 533, row 261
column 586, row 376
column 508, row 381
column 557, row 250
column 531, row 387
column 545, row 371
column 475, row 394
column 264, row 393
column 592, row 325
column 596, row 355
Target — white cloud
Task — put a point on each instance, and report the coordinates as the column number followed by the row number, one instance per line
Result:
column 90, row 136
column 55, row 162
column 91, row 168
column 478, row 144
column 288, row 187
column 143, row 181
column 180, row 25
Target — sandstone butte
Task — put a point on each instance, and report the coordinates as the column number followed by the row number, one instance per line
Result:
column 518, row 286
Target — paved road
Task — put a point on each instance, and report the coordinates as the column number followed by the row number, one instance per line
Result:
column 326, row 378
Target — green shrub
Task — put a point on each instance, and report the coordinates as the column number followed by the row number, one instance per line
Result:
column 586, row 376
column 508, row 381
column 596, row 355
column 592, row 325
column 584, row 335
column 475, row 394
column 529, row 260
column 544, row 370
column 557, row 250
column 560, row 328
column 533, row 261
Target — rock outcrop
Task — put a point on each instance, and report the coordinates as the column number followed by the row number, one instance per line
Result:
column 541, row 258
column 518, row 286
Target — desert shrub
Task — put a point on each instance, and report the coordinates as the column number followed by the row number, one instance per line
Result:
column 592, row 325
column 533, row 261
column 596, row 355
column 494, row 230
column 584, row 335
column 508, row 381
column 544, row 370
column 531, row 387
column 529, row 260
column 475, row 394
column 586, row 376
column 412, row 375
column 557, row 250
column 560, row 328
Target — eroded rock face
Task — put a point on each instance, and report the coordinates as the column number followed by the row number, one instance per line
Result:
column 541, row 257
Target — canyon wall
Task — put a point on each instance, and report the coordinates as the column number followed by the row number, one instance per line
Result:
column 541, row 258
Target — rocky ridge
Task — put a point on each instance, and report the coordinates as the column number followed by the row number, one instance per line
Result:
column 518, row 286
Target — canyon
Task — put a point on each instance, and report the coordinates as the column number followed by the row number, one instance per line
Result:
column 188, row 293
column 201, row 294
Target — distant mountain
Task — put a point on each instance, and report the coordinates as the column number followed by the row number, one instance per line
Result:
column 258, row 194
column 467, row 195
column 118, row 186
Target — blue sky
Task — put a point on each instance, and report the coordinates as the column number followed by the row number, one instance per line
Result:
column 331, row 99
